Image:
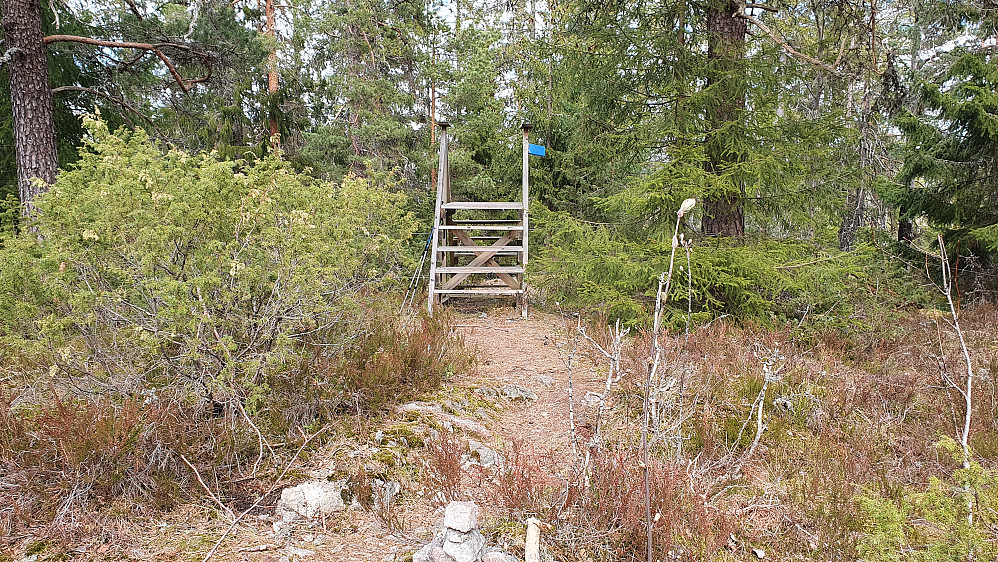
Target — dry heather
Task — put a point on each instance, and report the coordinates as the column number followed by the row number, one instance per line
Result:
column 841, row 416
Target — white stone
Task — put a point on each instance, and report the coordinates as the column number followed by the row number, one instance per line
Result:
column 496, row 556
column 470, row 549
column 311, row 500
column 517, row 392
column 461, row 516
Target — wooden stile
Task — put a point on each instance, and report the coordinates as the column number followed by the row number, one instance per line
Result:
column 481, row 256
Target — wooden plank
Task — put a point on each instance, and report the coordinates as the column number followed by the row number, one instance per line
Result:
column 485, row 221
column 442, row 185
column 470, row 292
column 525, row 200
column 480, row 249
column 483, row 258
column 507, row 269
column 485, row 205
column 480, row 227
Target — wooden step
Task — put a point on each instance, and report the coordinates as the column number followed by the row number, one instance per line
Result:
column 484, row 205
column 473, row 292
column 479, row 227
column 467, row 286
column 480, row 249
column 507, row 269
column 487, row 221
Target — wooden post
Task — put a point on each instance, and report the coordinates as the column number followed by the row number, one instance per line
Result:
column 532, row 546
column 524, row 215
column 443, row 190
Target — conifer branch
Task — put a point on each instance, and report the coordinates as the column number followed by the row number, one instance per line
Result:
column 790, row 50
column 118, row 101
column 185, row 84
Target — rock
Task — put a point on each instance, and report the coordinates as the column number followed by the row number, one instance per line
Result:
column 297, row 552
column 546, row 380
column 759, row 553
column 499, row 556
column 469, row 549
column 461, row 516
column 460, row 540
column 437, row 554
column 517, row 392
column 436, row 411
column 423, row 554
column 784, row 402
column 487, row 393
column 482, row 455
column 313, row 499
column 486, row 457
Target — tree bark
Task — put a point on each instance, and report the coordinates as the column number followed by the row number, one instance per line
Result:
column 724, row 213
column 272, row 85
column 31, row 97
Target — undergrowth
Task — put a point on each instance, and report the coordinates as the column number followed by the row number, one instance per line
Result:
column 774, row 283
column 846, row 465
column 178, row 322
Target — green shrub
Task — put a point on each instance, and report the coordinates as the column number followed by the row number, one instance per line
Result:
column 175, row 305
column 191, row 270
column 933, row 525
column 768, row 282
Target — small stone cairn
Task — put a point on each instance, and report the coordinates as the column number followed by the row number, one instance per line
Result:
column 460, row 540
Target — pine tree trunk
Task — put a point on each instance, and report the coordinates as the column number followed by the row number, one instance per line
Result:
column 31, row 97
column 272, row 85
column 906, row 230
column 724, row 214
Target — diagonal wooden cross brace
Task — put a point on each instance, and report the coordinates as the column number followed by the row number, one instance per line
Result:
column 484, row 258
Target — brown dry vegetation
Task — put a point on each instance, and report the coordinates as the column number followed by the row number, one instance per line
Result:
column 843, row 415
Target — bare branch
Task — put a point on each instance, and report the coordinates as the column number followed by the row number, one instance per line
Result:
column 760, row 7
column 10, row 54
column 108, row 97
column 211, row 494
column 156, row 49
column 788, row 48
column 134, row 9
column 308, row 439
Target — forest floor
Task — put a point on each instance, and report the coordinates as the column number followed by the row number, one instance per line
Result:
column 532, row 354
column 840, row 416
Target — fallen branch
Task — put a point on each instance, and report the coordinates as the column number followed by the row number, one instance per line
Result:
column 108, row 97
column 436, row 411
column 267, row 493
column 211, row 494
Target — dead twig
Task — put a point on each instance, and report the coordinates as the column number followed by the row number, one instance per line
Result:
column 268, row 492
column 211, row 494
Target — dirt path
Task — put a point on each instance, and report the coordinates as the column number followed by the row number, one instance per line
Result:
column 532, row 354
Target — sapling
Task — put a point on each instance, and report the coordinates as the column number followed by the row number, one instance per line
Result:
column 664, row 282
column 968, row 390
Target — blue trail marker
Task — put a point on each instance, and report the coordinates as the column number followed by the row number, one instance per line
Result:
column 536, row 150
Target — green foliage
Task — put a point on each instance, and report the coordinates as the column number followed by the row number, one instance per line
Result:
column 934, row 524
column 65, row 68
column 949, row 174
column 597, row 268
column 176, row 305
column 187, row 268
